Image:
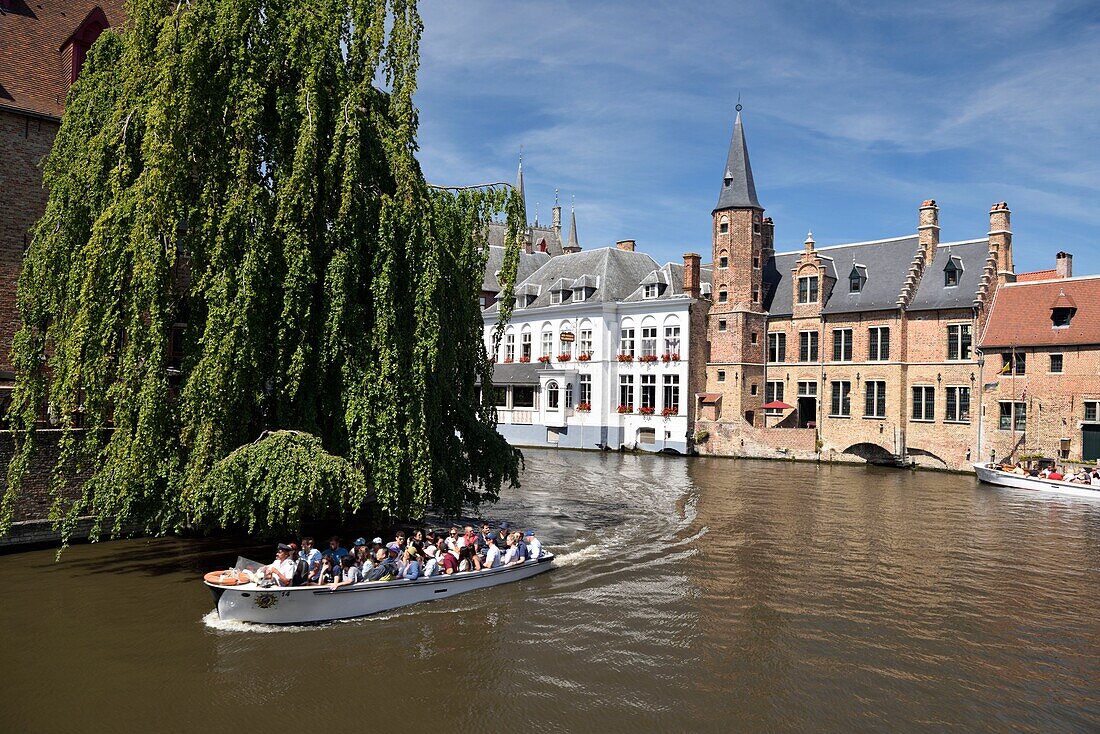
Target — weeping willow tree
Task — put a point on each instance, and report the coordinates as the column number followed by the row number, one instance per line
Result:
column 239, row 243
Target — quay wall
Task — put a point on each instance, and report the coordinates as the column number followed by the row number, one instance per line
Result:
column 30, row 519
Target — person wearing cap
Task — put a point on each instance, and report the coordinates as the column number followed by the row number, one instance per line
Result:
column 502, row 536
column 431, row 566
column 534, row 545
column 282, row 570
column 334, row 549
column 411, row 571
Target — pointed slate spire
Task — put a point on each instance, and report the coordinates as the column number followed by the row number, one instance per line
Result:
column 519, row 181
column 738, row 190
column 573, row 243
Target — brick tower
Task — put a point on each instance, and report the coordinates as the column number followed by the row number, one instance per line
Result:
column 737, row 327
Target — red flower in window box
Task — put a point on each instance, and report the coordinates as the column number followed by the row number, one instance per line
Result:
column 565, row 357
column 584, row 407
column 670, row 357
column 544, row 358
column 584, row 357
column 670, row 411
column 626, row 357
column 645, row 410
column 508, row 360
column 623, row 408
column 524, row 359
column 648, row 358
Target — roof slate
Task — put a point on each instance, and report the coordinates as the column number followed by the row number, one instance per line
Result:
column 551, row 235
column 738, row 189
column 528, row 263
column 1020, row 315
column 32, row 74
column 933, row 294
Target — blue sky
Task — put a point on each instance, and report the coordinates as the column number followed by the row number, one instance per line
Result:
column 854, row 111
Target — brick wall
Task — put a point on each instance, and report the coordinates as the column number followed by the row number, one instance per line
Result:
column 32, row 507
column 24, row 143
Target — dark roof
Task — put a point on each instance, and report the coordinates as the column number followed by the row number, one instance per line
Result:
column 573, row 242
column 618, row 274
column 1020, row 315
column 528, row 263
column 738, row 189
column 32, row 74
column 885, row 263
column 535, row 233
column 518, row 373
column 932, row 293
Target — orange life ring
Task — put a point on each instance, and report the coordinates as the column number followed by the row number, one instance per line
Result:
column 225, row 578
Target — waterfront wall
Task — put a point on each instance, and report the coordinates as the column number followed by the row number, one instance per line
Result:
column 31, row 514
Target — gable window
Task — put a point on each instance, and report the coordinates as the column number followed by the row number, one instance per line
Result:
column 924, row 403
column 878, row 346
column 951, row 274
column 777, row 347
column 958, row 405
column 1013, row 363
column 1012, row 416
column 875, row 403
column 842, row 345
column 650, row 290
column 1056, row 363
column 807, row 346
column 773, row 392
column 842, row 399
column 959, row 341
column 807, row 289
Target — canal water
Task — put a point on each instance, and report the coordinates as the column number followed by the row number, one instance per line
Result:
column 692, row 595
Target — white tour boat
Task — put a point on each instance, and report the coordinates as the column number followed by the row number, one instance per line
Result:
column 989, row 474
column 248, row 602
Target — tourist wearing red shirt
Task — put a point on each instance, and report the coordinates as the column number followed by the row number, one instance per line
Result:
column 449, row 562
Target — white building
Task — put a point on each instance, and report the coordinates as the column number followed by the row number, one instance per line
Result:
column 596, row 353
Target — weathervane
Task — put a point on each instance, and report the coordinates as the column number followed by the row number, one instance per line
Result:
column 738, row 106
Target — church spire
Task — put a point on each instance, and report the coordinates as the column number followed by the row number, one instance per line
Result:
column 573, row 245
column 519, row 180
column 738, row 190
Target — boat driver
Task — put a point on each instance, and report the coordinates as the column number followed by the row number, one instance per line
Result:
column 282, row 570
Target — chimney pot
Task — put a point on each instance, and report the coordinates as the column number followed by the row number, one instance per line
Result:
column 625, row 245
column 1064, row 265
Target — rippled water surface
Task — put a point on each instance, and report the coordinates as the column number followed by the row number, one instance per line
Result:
column 692, row 595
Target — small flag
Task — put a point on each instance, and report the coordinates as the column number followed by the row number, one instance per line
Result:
column 1006, row 368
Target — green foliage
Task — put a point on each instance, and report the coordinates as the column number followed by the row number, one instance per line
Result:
column 241, row 176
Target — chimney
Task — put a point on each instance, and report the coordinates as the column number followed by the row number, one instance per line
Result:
column 625, row 245
column 1064, row 264
column 1000, row 239
column 767, row 237
column 527, row 246
column 928, row 229
column 556, row 218
column 809, row 242
column 691, row 274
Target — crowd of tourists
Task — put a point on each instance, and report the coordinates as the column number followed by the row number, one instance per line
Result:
column 423, row 553
column 1058, row 474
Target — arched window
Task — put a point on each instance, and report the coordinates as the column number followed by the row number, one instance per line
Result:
column 723, row 296
column 569, row 395
column 724, row 225
column 552, row 395
column 723, row 260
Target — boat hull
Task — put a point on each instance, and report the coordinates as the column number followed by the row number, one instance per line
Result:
column 304, row 604
column 1035, row 484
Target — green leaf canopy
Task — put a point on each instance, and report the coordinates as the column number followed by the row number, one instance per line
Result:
column 239, row 239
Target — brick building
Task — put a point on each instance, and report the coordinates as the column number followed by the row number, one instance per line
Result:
column 42, row 48
column 1041, row 345
column 864, row 351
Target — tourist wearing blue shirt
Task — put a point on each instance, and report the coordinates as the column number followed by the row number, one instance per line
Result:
column 411, row 571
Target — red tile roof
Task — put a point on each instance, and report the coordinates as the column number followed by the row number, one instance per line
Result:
column 1036, row 275
column 1021, row 312
column 33, row 77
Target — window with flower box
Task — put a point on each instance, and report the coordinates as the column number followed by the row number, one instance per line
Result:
column 525, row 346
column 672, row 395
column 509, row 347
column 649, row 392
column 586, row 389
column 649, row 341
column 585, row 342
column 626, row 391
column 672, row 340
column 626, row 342
column 547, row 344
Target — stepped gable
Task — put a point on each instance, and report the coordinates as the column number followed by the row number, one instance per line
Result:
column 617, row 275
column 1021, row 314
column 37, row 41
column 885, row 263
column 932, row 293
column 528, row 264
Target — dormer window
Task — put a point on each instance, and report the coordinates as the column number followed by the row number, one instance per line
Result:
column 82, row 39
column 855, row 280
column 1062, row 311
column 807, row 289
column 579, row 294
column 951, row 273
column 650, row 291
column 555, row 297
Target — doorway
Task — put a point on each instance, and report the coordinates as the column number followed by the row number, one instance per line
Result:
column 1090, row 442
column 807, row 412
